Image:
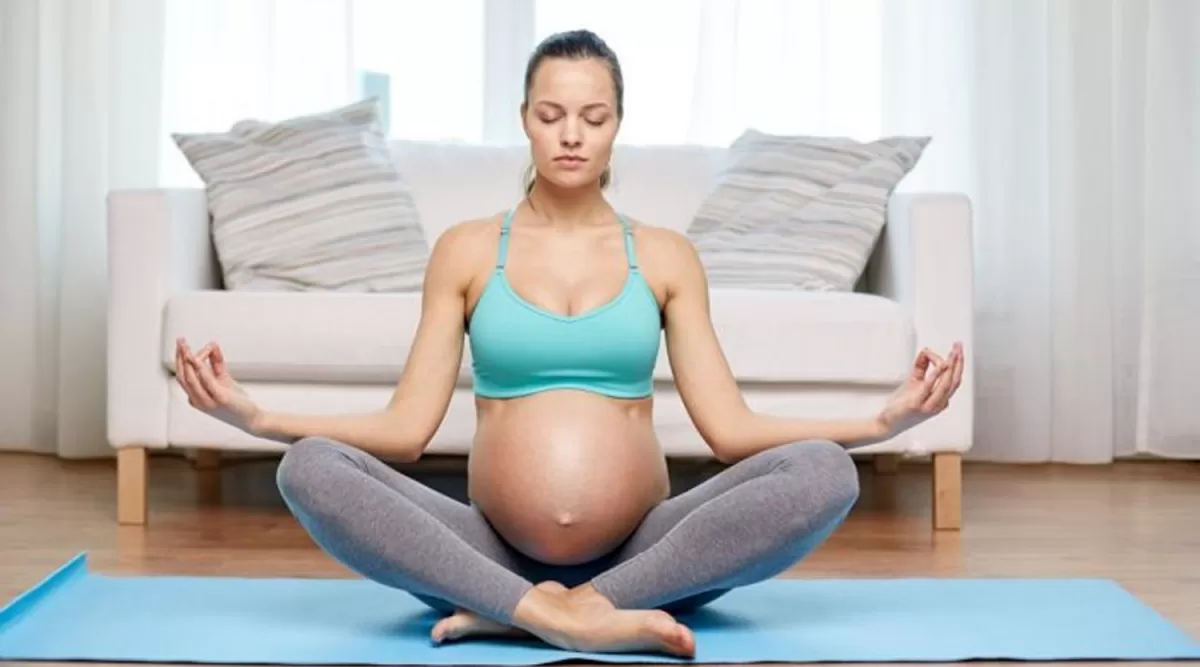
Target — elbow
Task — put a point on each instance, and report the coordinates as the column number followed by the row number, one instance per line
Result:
column 727, row 453
column 726, row 437
column 405, row 439
column 723, row 456
column 395, row 450
column 405, row 453
column 409, row 444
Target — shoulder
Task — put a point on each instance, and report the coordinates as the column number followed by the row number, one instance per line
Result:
column 666, row 247
column 662, row 243
column 459, row 249
column 467, row 234
column 668, row 256
column 467, row 239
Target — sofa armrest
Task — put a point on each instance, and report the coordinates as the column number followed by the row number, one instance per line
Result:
column 925, row 262
column 158, row 245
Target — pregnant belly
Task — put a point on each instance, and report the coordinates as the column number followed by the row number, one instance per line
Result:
column 566, row 476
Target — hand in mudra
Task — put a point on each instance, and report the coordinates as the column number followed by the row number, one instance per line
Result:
column 210, row 388
column 925, row 393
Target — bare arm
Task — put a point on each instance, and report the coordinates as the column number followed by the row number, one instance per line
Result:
column 403, row 428
column 706, row 384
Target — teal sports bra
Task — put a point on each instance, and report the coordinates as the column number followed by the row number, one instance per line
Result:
column 518, row 348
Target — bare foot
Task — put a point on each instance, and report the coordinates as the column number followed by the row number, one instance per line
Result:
column 583, row 620
column 623, row 631
column 463, row 623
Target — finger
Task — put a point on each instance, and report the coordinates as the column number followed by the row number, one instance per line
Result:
column 195, row 391
column 936, row 398
column 208, row 380
column 940, row 395
column 937, row 368
column 955, row 363
column 933, row 385
column 218, row 360
column 921, row 364
column 958, row 369
column 179, row 364
column 209, row 355
column 195, row 388
column 201, row 360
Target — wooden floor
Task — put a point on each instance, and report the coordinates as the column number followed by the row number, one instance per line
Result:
column 1138, row 523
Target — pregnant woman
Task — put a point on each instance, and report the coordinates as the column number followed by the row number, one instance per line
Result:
column 572, row 534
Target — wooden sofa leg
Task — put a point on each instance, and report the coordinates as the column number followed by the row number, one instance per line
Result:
column 947, row 491
column 208, row 470
column 208, row 459
column 886, row 464
column 132, row 483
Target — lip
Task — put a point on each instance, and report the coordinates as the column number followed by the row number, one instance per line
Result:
column 569, row 162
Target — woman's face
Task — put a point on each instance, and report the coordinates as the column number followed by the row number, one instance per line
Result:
column 571, row 120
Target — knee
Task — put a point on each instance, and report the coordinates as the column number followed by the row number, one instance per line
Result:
column 827, row 470
column 301, row 469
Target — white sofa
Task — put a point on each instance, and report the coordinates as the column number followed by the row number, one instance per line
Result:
column 800, row 354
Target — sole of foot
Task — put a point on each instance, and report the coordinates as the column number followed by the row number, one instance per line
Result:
column 587, row 623
column 465, row 624
column 637, row 631
column 592, row 624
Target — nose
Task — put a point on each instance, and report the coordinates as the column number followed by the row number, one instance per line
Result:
column 571, row 136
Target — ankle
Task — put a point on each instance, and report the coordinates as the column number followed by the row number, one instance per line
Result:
column 586, row 596
column 540, row 611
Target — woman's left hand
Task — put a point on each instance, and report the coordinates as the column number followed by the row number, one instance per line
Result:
column 925, row 393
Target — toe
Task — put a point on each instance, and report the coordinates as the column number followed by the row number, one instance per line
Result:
column 685, row 640
column 446, row 629
column 675, row 636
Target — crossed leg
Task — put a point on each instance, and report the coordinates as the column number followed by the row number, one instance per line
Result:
column 746, row 524
column 396, row 531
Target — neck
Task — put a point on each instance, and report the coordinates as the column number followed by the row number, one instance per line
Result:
column 568, row 207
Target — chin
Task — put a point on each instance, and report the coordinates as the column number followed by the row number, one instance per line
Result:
column 572, row 181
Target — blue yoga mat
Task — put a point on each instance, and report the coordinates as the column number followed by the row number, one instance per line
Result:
column 76, row 614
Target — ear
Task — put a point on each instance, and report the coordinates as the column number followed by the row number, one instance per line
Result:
column 524, row 119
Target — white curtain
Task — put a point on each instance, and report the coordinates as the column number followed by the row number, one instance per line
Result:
column 78, row 116
column 1073, row 125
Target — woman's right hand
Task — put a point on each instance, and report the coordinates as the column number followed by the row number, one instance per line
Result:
column 210, row 388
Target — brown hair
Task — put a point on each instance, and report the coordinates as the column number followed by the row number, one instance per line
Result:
column 575, row 45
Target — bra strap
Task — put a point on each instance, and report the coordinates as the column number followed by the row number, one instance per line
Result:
column 502, row 253
column 630, row 246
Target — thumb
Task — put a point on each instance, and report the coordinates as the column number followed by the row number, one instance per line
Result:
column 218, row 359
column 921, row 365
column 931, row 379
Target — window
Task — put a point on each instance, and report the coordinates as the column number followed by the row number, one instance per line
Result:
column 429, row 56
column 696, row 71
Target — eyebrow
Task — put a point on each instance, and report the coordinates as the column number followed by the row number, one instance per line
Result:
column 586, row 107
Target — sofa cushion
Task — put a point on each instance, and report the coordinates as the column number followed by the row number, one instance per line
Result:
column 799, row 213
column 362, row 338
column 310, row 203
column 339, row 337
column 827, row 337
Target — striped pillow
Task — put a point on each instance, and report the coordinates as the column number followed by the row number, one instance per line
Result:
column 312, row 203
column 799, row 213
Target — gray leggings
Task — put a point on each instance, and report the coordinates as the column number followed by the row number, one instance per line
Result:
column 749, row 522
